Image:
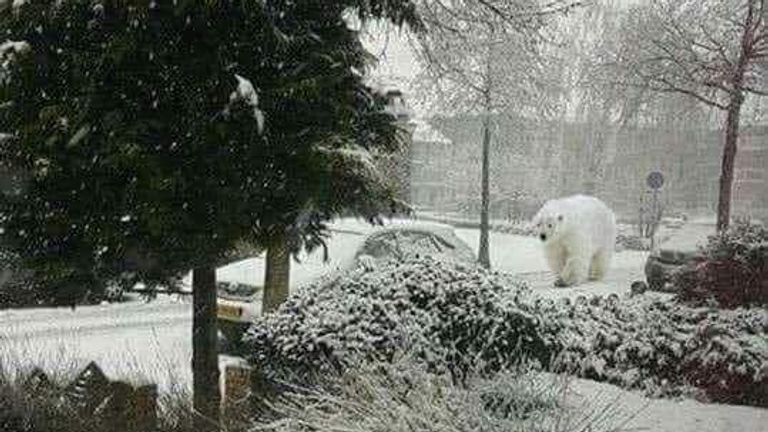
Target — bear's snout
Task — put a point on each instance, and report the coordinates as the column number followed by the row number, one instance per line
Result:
column 543, row 237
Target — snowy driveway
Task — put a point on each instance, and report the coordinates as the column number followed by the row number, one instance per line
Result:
column 523, row 256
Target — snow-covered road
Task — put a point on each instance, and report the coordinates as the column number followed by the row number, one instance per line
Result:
column 151, row 341
column 139, row 340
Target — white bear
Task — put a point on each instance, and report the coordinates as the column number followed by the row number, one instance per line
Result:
column 579, row 236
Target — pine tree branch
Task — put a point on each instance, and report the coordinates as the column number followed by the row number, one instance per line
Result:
column 756, row 91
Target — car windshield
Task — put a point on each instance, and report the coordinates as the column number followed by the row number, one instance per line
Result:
column 400, row 243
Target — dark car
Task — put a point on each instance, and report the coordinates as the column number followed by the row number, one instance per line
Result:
column 679, row 249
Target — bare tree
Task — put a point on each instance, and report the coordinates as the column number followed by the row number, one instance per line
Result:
column 712, row 51
column 484, row 57
column 588, row 36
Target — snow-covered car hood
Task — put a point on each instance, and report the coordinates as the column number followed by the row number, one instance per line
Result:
column 685, row 243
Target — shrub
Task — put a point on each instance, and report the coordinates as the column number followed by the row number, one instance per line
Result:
column 456, row 317
column 732, row 272
column 516, row 228
column 447, row 312
column 49, row 406
column 666, row 348
column 632, row 242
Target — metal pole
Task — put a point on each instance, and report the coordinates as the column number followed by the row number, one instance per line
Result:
column 654, row 218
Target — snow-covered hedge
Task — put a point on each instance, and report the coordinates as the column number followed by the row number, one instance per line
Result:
column 523, row 228
column 448, row 313
column 666, row 348
column 455, row 315
column 632, row 242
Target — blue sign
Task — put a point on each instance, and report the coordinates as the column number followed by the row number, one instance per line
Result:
column 655, row 180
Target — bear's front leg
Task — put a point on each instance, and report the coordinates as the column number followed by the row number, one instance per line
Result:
column 574, row 272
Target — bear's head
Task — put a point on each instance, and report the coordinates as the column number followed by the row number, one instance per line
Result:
column 548, row 226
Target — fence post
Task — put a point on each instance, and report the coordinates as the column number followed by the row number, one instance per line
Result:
column 89, row 389
column 117, row 405
column 115, row 413
column 237, row 384
column 37, row 381
column 144, row 408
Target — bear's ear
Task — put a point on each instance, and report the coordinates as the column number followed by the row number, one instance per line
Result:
column 560, row 218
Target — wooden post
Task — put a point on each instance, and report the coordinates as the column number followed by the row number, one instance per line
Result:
column 115, row 412
column 144, row 408
column 37, row 381
column 237, row 384
column 89, row 389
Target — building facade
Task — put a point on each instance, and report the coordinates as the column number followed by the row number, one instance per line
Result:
column 531, row 163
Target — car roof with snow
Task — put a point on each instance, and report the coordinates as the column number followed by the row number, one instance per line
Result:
column 419, row 238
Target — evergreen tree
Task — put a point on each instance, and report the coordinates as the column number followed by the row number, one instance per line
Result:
column 150, row 136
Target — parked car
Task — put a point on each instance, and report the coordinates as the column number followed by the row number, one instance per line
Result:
column 240, row 302
column 236, row 308
column 679, row 249
column 436, row 240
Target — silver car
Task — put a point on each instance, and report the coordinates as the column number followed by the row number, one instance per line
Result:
column 240, row 303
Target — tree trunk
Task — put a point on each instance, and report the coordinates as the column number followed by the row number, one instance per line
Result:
column 277, row 275
column 729, row 159
column 205, row 356
column 483, row 254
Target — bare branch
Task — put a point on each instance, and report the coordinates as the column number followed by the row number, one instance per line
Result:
column 668, row 86
column 757, row 91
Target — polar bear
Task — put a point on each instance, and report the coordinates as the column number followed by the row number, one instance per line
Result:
column 579, row 236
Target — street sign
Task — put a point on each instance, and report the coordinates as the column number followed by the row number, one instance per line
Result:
column 655, row 180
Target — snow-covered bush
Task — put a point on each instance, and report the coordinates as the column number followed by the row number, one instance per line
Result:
column 733, row 271
column 523, row 228
column 448, row 313
column 667, row 348
column 51, row 405
column 632, row 242
column 456, row 316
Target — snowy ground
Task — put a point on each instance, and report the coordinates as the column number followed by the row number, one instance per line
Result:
column 664, row 415
column 152, row 340
column 523, row 256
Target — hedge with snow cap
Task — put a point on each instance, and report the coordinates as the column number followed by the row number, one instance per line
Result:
column 450, row 314
column 666, row 348
column 456, row 317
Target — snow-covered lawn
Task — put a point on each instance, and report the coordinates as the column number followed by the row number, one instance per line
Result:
column 148, row 341
column 152, row 340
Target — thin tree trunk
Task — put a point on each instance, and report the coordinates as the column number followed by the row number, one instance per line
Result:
column 729, row 159
column 747, row 55
column 277, row 275
column 483, row 250
column 205, row 356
